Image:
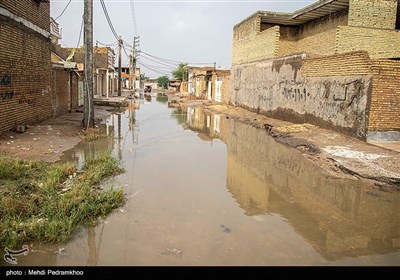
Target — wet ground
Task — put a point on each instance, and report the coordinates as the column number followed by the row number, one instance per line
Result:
column 206, row 190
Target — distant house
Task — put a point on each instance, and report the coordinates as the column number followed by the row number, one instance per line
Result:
column 104, row 78
column 67, row 95
column 174, row 85
column 127, row 77
column 208, row 82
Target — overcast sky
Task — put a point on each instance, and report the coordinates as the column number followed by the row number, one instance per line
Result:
column 187, row 31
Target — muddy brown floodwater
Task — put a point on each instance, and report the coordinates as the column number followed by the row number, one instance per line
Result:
column 206, row 190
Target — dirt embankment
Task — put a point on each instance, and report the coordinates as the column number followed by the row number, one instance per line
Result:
column 49, row 139
column 341, row 155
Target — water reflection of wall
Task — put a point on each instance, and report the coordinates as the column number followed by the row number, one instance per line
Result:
column 337, row 216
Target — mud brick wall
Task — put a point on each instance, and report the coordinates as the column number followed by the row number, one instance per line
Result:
column 316, row 36
column 379, row 43
column 25, row 93
column 278, row 88
column 373, row 13
column 63, row 81
column 226, row 88
column 100, row 56
column 385, row 99
column 59, row 88
column 251, row 44
column 74, row 91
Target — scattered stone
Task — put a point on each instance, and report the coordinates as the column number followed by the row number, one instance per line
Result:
column 59, row 251
column 172, row 251
column 21, row 128
column 225, row 229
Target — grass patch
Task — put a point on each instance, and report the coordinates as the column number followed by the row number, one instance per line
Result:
column 46, row 202
column 124, row 103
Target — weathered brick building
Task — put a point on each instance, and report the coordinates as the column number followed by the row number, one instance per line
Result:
column 104, row 78
column 25, row 94
column 334, row 63
column 208, row 82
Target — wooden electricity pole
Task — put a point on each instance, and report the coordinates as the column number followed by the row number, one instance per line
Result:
column 88, row 113
column 119, row 66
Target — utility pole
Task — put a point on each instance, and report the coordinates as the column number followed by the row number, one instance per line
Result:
column 88, row 113
column 119, row 66
column 131, row 72
column 135, row 42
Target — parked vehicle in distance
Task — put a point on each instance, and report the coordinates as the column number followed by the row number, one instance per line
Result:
column 147, row 89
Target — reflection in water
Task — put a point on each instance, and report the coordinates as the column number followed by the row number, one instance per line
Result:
column 214, row 191
column 336, row 216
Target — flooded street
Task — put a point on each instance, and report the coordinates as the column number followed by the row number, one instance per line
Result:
column 206, row 190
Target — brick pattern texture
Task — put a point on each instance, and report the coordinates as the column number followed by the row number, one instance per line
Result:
column 373, row 13
column 385, row 99
column 250, row 44
column 316, row 36
column 348, row 64
column 380, row 43
column 25, row 94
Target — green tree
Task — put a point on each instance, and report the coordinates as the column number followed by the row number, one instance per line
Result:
column 180, row 73
column 163, row 81
column 144, row 77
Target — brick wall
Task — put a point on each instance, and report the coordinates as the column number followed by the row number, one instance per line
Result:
column 316, row 36
column 25, row 94
column 64, row 88
column 385, row 99
column 373, row 13
column 380, row 43
column 348, row 64
column 250, row 44
column 100, row 55
column 59, row 89
column 38, row 14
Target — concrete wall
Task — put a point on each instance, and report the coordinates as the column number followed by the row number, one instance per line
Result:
column 25, row 94
column 379, row 43
column 278, row 89
column 373, row 13
column 252, row 44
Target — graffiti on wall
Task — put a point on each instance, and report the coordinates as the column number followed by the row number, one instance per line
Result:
column 7, row 95
column 5, row 80
column 339, row 101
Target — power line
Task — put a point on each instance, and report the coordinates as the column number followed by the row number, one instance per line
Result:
column 175, row 61
column 63, row 10
column 151, row 69
column 80, row 34
column 108, row 19
column 160, row 62
column 134, row 17
column 107, row 45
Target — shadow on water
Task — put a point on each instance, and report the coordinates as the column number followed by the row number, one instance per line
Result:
column 206, row 190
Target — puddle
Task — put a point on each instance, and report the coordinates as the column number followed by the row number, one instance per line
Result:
column 206, row 190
